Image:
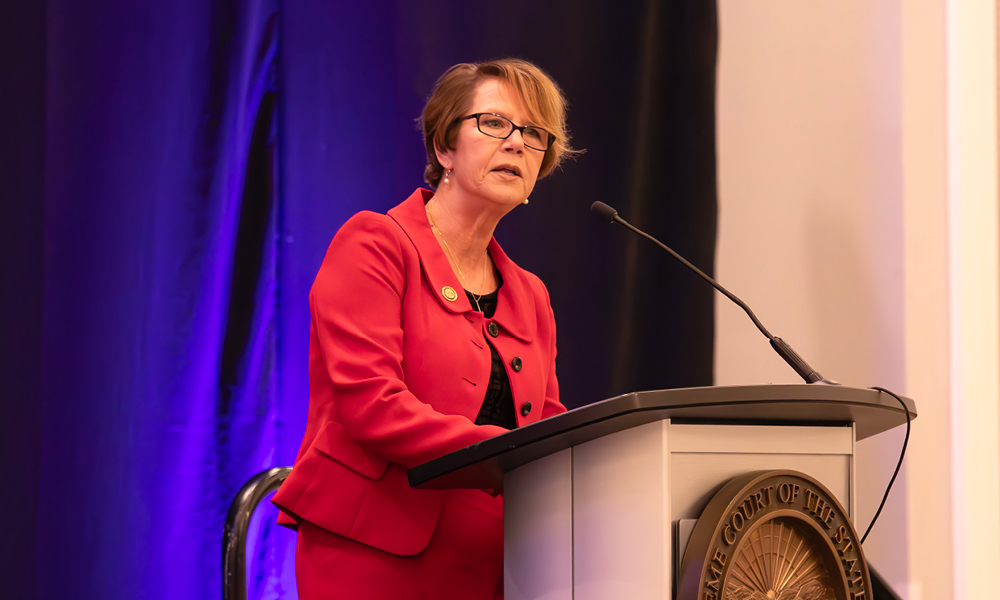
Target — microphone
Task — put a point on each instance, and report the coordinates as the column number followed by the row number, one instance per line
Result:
column 807, row 373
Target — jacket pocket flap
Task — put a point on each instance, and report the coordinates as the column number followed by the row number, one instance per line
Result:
column 335, row 442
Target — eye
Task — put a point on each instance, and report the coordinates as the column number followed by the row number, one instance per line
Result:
column 533, row 134
column 495, row 123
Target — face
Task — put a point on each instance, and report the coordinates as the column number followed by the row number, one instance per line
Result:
column 499, row 171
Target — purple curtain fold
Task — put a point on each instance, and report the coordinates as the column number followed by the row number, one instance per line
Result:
column 159, row 393
column 173, row 174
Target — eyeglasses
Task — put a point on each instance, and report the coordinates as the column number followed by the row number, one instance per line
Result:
column 499, row 127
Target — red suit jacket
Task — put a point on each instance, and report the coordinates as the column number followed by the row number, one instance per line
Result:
column 398, row 370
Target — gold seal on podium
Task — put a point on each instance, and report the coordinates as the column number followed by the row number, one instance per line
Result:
column 774, row 535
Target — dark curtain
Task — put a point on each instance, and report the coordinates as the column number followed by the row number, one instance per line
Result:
column 22, row 192
column 173, row 173
column 640, row 77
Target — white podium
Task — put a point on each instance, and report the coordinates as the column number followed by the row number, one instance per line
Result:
column 598, row 501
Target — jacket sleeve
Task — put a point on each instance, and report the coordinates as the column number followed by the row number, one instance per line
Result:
column 356, row 304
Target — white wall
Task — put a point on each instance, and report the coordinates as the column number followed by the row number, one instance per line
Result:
column 971, row 74
column 928, row 372
column 857, row 186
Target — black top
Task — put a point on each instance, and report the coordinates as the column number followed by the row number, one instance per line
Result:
column 498, row 406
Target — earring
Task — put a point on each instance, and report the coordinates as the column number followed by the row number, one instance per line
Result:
column 447, row 172
column 525, row 201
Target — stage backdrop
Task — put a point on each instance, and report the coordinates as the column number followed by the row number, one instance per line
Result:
column 174, row 172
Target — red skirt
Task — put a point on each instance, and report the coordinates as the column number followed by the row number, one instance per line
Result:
column 462, row 561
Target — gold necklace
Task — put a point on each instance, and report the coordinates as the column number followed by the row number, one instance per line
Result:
column 465, row 283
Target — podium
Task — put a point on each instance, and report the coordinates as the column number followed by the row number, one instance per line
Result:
column 598, row 501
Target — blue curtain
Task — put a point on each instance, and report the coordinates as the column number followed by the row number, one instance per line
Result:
column 173, row 173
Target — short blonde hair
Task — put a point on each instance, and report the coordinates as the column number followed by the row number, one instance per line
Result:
column 452, row 97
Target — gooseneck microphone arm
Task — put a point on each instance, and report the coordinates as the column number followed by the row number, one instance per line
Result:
column 807, row 373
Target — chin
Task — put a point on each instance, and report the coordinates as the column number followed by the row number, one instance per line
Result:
column 507, row 196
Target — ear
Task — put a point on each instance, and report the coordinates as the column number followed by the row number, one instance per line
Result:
column 444, row 157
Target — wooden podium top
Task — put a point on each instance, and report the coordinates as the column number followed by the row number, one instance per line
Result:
column 482, row 465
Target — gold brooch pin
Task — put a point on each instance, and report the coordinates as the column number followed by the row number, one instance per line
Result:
column 449, row 293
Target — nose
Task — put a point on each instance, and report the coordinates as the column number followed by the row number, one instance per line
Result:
column 514, row 145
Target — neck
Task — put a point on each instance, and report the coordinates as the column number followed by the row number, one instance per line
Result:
column 467, row 231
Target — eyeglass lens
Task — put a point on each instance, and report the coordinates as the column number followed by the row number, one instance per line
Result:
column 501, row 127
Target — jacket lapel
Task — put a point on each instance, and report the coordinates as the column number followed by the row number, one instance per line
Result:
column 412, row 218
column 516, row 305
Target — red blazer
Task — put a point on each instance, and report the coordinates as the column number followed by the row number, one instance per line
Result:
column 398, row 372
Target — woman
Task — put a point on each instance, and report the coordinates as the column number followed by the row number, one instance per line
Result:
column 405, row 367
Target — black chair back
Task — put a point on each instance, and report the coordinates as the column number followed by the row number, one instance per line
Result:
column 234, row 540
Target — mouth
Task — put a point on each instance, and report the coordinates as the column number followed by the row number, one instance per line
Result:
column 508, row 170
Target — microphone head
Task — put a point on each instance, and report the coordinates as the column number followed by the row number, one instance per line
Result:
column 604, row 211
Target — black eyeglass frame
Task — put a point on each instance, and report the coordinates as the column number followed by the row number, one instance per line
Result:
column 520, row 128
